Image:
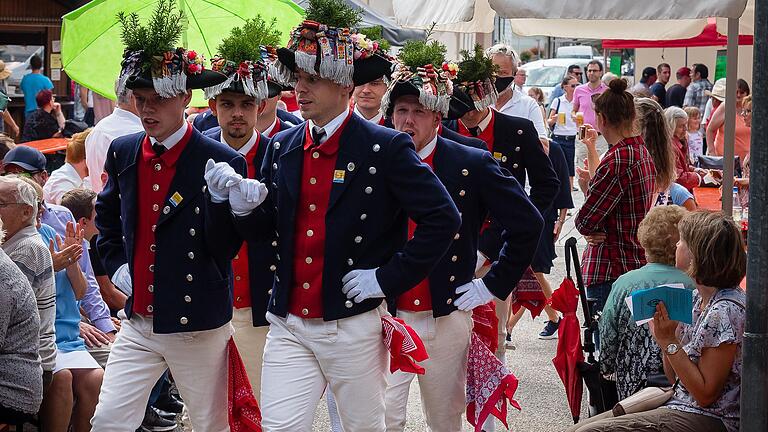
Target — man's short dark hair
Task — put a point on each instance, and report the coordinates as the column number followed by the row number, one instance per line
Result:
column 80, row 202
column 572, row 67
column 596, row 62
column 35, row 62
column 661, row 66
column 702, row 70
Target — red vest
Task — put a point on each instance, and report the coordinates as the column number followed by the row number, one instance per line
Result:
column 154, row 182
column 485, row 135
column 242, row 280
column 418, row 298
column 317, row 176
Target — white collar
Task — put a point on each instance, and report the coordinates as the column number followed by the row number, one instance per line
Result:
column 332, row 125
column 484, row 122
column 247, row 146
column 268, row 131
column 173, row 139
column 375, row 119
column 428, row 149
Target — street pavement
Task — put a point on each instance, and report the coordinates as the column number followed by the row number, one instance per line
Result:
column 540, row 393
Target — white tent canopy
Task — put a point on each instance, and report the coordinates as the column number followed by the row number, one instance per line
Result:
column 576, row 18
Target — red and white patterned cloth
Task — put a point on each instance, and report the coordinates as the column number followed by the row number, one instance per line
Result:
column 528, row 294
column 490, row 385
column 404, row 345
column 244, row 413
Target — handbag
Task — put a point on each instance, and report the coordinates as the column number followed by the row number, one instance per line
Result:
column 716, row 162
column 645, row 400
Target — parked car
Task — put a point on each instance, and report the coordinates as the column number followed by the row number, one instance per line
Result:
column 549, row 73
column 577, row 51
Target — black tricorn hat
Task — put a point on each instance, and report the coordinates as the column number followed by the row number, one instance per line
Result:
column 365, row 69
column 274, row 88
column 397, row 90
column 206, row 78
column 461, row 103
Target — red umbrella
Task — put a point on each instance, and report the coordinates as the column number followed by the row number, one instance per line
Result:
column 569, row 351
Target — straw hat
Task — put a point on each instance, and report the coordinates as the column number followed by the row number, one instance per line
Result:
column 718, row 90
column 4, row 73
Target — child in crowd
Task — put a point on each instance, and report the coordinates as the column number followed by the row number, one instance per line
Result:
column 695, row 139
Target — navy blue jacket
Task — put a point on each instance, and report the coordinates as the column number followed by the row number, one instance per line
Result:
column 479, row 188
column 285, row 116
column 196, row 239
column 517, row 148
column 385, row 184
column 261, row 253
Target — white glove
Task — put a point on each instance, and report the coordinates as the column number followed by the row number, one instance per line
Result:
column 220, row 177
column 122, row 279
column 361, row 285
column 475, row 294
column 246, row 196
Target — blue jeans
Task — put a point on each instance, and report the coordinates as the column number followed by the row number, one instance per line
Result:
column 600, row 292
column 568, row 143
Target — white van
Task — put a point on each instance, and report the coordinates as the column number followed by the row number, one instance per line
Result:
column 549, row 73
column 577, row 51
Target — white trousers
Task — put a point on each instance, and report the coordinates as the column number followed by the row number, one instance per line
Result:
column 197, row 360
column 501, row 350
column 250, row 342
column 443, row 386
column 303, row 355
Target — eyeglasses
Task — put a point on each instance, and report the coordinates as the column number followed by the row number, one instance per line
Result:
column 577, row 73
column 573, row 85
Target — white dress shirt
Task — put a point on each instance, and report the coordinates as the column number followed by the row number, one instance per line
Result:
column 484, row 122
column 522, row 105
column 62, row 181
column 375, row 119
column 117, row 124
column 428, row 149
column 332, row 125
column 173, row 139
column 247, row 146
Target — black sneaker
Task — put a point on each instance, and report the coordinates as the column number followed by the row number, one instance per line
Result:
column 154, row 423
column 167, row 402
column 550, row 330
column 508, row 342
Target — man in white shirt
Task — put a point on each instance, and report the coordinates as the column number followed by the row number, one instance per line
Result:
column 71, row 175
column 122, row 121
column 511, row 99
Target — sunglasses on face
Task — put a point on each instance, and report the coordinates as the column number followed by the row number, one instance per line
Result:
column 573, row 85
column 577, row 73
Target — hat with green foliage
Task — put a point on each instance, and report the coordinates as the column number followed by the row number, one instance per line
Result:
column 476, row 76
column 151, row 58
column 327, row 44
column 422, row 71
column 246, row 57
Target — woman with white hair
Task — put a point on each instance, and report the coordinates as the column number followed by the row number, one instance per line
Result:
column 21, row 377
column 677, row 124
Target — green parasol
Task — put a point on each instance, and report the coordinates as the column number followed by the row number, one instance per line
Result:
column 91, row 48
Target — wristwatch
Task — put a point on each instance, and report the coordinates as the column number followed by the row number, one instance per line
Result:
column 672, row 349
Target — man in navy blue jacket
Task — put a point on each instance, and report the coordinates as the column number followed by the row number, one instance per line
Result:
column 337, row 192
column 163, row 240
column 440, row 307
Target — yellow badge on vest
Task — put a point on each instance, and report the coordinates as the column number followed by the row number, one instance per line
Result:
column 497, row 155
column 176, row 199
column 338, row 176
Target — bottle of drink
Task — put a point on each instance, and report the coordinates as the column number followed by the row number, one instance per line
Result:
column 736, row 204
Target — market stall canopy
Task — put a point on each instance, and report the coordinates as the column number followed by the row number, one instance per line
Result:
column 390, row 30
column 570, row 18
column 91, row 47
column 746, row 23
column 709, row 37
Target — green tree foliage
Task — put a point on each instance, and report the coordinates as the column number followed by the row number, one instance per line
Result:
column 475, row 66
column 243, row 42
column 161, row 33
column 333, row 13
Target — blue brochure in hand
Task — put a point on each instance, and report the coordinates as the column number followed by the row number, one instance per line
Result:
column 678, row 301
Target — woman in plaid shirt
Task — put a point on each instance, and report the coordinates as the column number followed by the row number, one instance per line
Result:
column 620, row 189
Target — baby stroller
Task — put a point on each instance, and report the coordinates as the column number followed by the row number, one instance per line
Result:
column 602, row 392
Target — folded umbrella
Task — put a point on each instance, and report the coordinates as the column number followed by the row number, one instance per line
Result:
column 569, row 350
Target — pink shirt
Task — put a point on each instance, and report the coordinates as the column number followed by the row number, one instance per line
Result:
column 582, row 97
